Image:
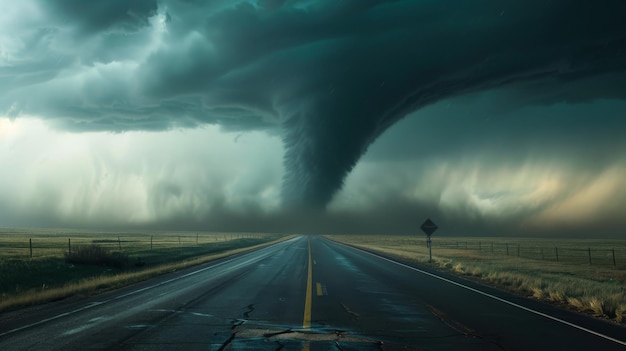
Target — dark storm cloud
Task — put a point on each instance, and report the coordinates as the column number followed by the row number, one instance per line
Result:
column 490, row 122
column 334, row 75
column 96, row 16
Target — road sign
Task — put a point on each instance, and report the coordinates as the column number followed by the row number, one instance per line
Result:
column 429, row 227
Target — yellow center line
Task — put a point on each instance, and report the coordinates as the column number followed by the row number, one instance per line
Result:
column 306, row 323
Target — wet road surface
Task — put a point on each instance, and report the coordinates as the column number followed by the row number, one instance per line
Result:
column 309, row 294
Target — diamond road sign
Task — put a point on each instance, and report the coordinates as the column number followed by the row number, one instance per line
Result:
column 429, row 227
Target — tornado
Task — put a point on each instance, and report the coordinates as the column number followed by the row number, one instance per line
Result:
column 328, row 76
column 426, row 51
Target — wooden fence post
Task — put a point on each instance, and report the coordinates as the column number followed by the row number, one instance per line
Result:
column 119, row 243
column 30, row 245
column 613, row 257
column 589, row 251
column 507, row 248
column 151, row 242
column 69, row 245
column 556, row 250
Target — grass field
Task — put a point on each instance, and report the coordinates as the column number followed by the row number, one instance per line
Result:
column 527, row 266
column 47, row 274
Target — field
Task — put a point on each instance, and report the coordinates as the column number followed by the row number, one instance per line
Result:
column 43, row 265
column 586, row 275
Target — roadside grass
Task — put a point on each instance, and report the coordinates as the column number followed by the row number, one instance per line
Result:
column 599, row 290
column 52, row 275
column 97, row 255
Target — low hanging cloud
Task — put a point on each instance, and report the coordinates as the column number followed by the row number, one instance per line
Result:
column 97, row 179
column 481, row 169
column 329, row 76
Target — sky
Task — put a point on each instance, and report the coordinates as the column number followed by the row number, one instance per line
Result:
column 314, row 116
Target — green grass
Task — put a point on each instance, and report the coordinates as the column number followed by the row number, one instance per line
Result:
column 49, row 274
column 598, row 289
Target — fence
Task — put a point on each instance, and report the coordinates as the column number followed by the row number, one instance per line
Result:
column 20, row 246
column 578, row 255
column 576, row 251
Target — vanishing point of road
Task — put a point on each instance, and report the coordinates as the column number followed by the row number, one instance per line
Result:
column 307, row 293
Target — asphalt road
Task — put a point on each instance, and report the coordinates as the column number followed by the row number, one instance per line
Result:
column 305, row 294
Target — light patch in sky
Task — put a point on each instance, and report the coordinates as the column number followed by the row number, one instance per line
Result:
column 601, row 198
column 529, row 196
column 133, row 177
column 509, row 170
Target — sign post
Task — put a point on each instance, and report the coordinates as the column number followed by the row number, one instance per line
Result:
column 429, row 228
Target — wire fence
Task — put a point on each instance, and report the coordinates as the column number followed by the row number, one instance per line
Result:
column 21, row 246
column 576, row 255
column 587, row 252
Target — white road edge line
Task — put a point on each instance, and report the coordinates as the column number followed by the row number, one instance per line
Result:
column 98, row 303
column 494, row 297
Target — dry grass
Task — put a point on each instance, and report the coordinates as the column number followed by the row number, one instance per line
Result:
column 598, row 290
column 95, row 284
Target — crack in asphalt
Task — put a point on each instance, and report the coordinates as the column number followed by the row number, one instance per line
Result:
column 286, row 331
column 353, row 314
column 228, row 341
column 234, row 324
column 461, row 328
column 250, row 310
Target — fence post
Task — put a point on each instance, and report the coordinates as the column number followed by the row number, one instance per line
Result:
column 30, row 245
column 589, row 251
column 150, row 242
column 197, row 235
column 179, row 240
column 119, row 243
column 613, row 257
column 556, row 250
column 69, row 245
column 507, row 248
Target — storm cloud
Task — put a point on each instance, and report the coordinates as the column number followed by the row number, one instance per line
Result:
column 328, row 77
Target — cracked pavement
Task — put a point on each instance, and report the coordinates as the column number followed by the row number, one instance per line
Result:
column 256, row 301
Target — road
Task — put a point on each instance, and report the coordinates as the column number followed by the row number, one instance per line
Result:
column 307, row 293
